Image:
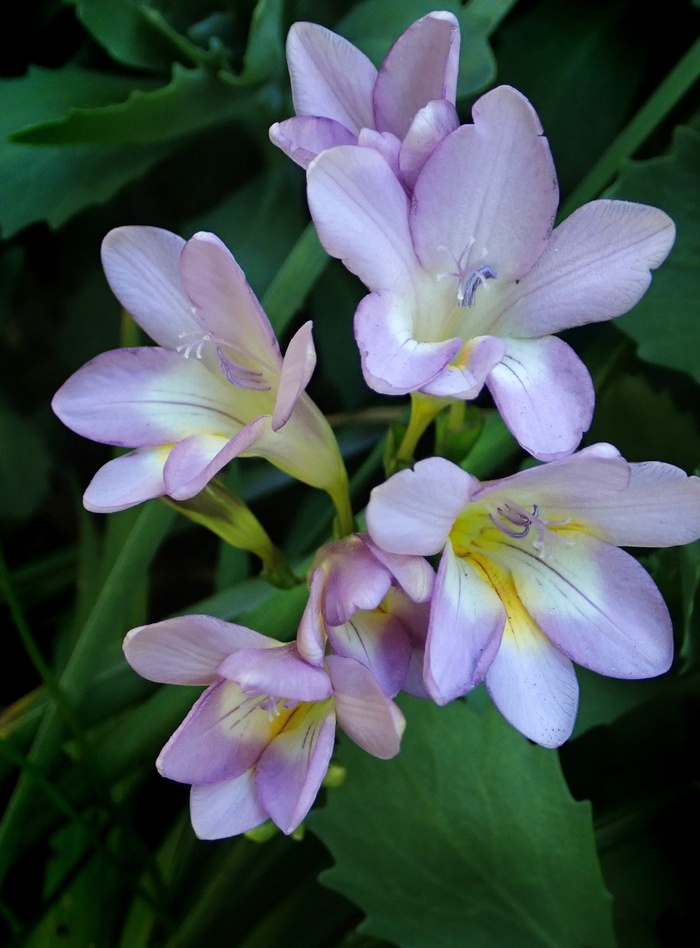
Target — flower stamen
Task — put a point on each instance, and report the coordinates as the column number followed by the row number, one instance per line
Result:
column 515, row 522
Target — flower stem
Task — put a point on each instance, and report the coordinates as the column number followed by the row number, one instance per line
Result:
column 424, row 408
column 344, row 522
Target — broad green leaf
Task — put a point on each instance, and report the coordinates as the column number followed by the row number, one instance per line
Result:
column 264, row 56
column 53, row 183
column 24, row 466
column 665, row 322
column 566, row 57
column 133, row 32
column 193, row 100
column 373, row 27
column 468, row 837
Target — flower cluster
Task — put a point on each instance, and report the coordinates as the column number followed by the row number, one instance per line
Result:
column 451, row 229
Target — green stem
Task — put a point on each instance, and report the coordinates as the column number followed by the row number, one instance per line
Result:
column 424, row 408
column 345, row 522
column 671, row 90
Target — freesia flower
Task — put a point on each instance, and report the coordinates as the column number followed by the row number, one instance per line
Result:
column 531, row 578
column 214, row 388
column 257, row 743
column 468, row 280
column 402, row 111
column 365, row 603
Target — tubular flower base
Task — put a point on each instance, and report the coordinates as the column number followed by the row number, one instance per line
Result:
column 257, row 743
column 468, row 280
column 216, row 387
column 403, row 111
column 531, row 578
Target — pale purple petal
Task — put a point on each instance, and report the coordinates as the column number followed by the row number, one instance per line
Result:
column 531, row 683
column 142, row 267
column 596, row 266
column 228, row 808
column 544, row 394
column 466, row 377
column 353, row 578
column 144, row 397
column 414, row 511
column 596, row 604
column 364, row 712
column 487, row 195
column 127, row 480
column 415, row 617
column 660, row 507
column 225, row 305
column 361, row 214
column 187, row 649
column 379, row 642
column 421, row 66
column 430, row 125
column 330, row 77
column 393, row 362
column 311, row 635
column 595, row 473
column 279, row 672
column 222, row 737
column 412, row 573
column 385, row 143
column 290, row 771
column 297, row 369
column 466, row 624
column 303, row 137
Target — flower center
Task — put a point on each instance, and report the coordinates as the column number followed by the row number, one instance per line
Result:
column 513, row 520
column 234, row 372
column 275, row 705
column 468, row 285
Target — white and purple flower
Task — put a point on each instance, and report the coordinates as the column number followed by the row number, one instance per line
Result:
column 215, row 387
column 402, row 111
column 371, row 606
column 257, row 743
column 531, row 578
column 468, row 280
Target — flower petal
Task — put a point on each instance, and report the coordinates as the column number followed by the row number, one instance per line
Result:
column 466, row 624
column 353, row 578
column 222, row 737
column 596, row 266
column 413, row 574
column 142, row 267
column 466, row 378
column 660, row 507
column 303, row 137
column 413, row 512
column 290, row 771
column 311, row 636
column 278, row 672
column 379, row 642
column 364, row 712
column 430, row 125
column 361, row 214
column 544, row 394
column 225, row 305
column 228, row 808
column 596, row 604
column 487, row 195
column 187, row 649
column 531, row 683
column 594, row 474
column 330, row 77
column 421, row 66
column 144, row 397
column 127, row 480
column 393, row 362
column 297, row 368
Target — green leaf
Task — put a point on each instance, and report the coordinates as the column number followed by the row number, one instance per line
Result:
column 468, row 837
column 132, row 32
column 24, row 469
column 193, row 100
column 665, row 322
column 53, row 183
column 373, row 27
